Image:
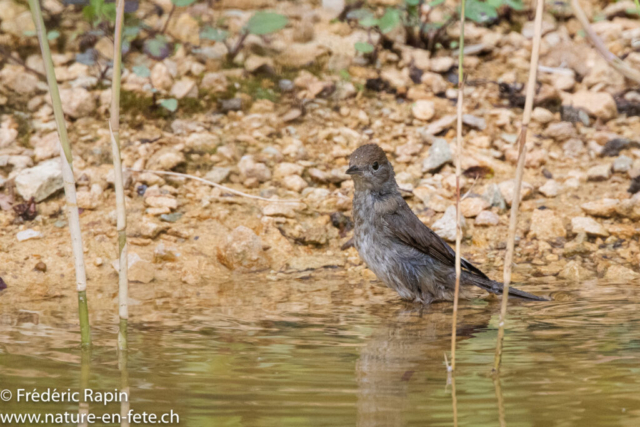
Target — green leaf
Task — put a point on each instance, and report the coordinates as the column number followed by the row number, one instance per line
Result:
column 88, row 13
column 389, row 20
column 413, row 2
column 170, row 104
column 182, row 3
column 262, row 23
column 142, row 71
column 29, row 33
column 130, row 32
column 479, row 11
column 53, row 34
column 215, row 34
column 364, row 47
column 435, row 3
column 514, row 4
column 369, row 21
column 157, row 48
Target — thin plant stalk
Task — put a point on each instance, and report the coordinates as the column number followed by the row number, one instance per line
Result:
column 125, row 406
column 85, row 373
column 500, row 401
column 67, row 176
column 522, row 154
column 616, row 63
column 114, row 125
column 454, row 400
column 454, row 323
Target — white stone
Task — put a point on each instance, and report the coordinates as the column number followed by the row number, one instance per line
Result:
column 294, row 183
column 41, row 181
column 46, row 147
column 507, row 188
column 28, row 234
column 215, row 82
column 185, row 88
column 286, row 169
column 217, row 174
column 551, row 188
column 138, row 269
column 542, row 115
column 439, row 155
column 423, row 110
column 487, row 218
column 77, row 102
column 589, row 226
column 161, row 78
column 445, row 227
column 251, row 169
column 604, row 208
column 598, row 104
column 202, row 141
column 441, row 64
column 471, row 207
column 599, row 173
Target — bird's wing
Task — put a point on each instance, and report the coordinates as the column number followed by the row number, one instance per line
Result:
column 404, row 225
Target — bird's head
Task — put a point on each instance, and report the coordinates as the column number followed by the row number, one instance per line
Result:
column 370, row 169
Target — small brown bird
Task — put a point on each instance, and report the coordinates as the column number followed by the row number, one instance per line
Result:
column 403, row 252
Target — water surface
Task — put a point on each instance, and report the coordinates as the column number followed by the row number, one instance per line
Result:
column 324, row 351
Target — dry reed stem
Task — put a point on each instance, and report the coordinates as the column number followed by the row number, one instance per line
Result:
column 454, row 322
column 121, row 209
column 616, row 63
column 213, row 184
column 66, row 160
column 125, row 404
column 454, row 401
column 500, row 401
column 522, row 153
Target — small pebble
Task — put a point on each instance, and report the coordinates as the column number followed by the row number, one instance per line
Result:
column 171, row 217
column 28, row 234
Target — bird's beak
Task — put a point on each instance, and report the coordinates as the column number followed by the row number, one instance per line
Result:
column 353, row 170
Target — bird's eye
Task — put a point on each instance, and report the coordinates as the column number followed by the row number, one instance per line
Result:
column 375, row 166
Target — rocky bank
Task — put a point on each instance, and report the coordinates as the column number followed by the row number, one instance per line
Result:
column 279, row 122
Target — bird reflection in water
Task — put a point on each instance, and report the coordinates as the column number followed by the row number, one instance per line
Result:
column 412, row 341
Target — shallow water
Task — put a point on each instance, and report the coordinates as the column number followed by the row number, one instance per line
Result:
column 323, row 352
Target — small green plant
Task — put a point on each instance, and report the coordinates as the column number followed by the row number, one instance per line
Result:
column 260, row 24
column 170, row 104
column 99, row 11
column 414, row 16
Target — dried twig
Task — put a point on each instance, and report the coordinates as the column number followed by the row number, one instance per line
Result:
column 67, row 175
column 616, row 63
column 454, row 322
column 166, row 24
column 522, row 154
column 20, row 62
column 222, row 187
column 114, row 128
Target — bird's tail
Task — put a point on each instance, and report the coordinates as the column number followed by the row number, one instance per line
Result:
column 498, row 288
